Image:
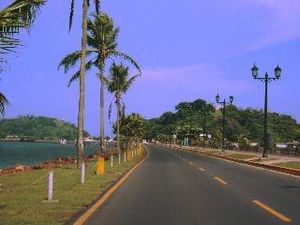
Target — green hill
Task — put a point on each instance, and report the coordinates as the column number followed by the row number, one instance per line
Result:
column 194, row 118
column 38, row 128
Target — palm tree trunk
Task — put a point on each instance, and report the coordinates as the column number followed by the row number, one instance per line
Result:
column 80, row 142
column 118, row 121
column 102, row 146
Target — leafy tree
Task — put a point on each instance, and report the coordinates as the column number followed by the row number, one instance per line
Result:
column 118, row 83
column 242, row 125
column 102, row 42
column 133, row 127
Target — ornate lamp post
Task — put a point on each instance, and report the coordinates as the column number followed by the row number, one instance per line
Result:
column 266, row 79
column 224, row 103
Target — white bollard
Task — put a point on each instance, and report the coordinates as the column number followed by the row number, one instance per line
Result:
column 50, row 186
column 82, row 173
column 111, row 161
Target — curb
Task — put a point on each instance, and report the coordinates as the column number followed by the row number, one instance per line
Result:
column 83, row 215
column 283, row 170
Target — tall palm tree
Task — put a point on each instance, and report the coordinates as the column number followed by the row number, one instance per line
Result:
column 118, row 83
column 102, row 42
column 81, row 75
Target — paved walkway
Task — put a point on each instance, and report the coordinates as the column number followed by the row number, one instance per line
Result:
column 272, row 158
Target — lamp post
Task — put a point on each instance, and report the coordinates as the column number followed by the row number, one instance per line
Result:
column 190, row 108
column 266, row 79
column 224, row 103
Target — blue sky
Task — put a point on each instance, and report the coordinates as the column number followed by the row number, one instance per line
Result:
column 186, row 49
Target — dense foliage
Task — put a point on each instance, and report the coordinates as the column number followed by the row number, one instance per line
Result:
column 41, row 128
column 198, row 118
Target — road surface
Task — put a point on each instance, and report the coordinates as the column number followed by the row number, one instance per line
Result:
column 181, row 188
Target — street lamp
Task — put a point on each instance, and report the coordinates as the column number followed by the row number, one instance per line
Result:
column 224, row 103
column 266, row 79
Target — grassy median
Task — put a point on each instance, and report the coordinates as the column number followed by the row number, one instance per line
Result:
column 23, row 195
column 291, row 165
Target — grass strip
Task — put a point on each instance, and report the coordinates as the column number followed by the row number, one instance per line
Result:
column 22, row 195
column 291, row 164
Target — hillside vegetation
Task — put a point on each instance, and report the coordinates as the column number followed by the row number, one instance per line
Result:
column 191, row 119
column 41, row 128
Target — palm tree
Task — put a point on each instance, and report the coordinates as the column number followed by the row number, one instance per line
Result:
column 81, row 75
column 118, row 83
column 102, row 42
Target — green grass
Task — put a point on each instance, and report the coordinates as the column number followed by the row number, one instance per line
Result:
column 292, row 164
column 240, row 156
column 25, row 205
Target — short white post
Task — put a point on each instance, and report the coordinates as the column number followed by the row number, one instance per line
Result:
column 125, row 155
column 119, row 158
column 82, row 174
column 111, row 160
column 50, row 186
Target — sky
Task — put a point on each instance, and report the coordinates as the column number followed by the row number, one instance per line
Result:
column 187, row 50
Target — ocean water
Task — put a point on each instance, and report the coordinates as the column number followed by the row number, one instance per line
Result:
column 18, row 153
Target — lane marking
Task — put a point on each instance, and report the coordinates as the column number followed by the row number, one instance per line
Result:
column 202, row 169
column 82, row 219
column 220, row 180
column 272, row 211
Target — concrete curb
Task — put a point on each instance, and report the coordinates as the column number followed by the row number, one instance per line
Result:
column 285, row 170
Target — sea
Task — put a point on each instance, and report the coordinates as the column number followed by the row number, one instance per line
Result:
column 19, row 153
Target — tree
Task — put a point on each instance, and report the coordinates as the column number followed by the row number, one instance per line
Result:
column 102, row 42
column 118, row 83
column 81, row 74
column 132, row 127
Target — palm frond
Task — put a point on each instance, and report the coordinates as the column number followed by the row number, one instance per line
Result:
column 97, row 6
column 130, row 82
column 71, row 15
column 19, row 14
column 127, row 58
column 3, row 102
column 70, row 60
column 76, row 76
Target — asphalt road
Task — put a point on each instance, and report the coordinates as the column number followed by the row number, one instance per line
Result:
column 182, row 188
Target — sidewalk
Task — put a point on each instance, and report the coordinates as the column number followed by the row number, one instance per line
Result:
column 272, row 159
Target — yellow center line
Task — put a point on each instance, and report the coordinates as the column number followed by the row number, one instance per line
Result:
column 272, row 211
column 200, row 168
column 220, row 180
